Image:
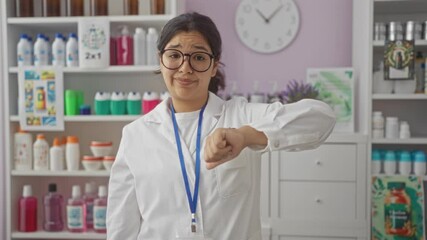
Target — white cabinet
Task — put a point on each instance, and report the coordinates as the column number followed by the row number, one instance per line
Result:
column 318, row 194
column 87, row 128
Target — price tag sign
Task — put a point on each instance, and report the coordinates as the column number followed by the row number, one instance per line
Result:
column 94, row 42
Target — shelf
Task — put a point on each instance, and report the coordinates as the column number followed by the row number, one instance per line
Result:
column 380, row 43
column 44, row 173
column 111, row 69
column 64, row 21
column 421, row 140
column 397, row 175
column 400, row 6
column 377, row 96
column 93, row 118
column 58, row 235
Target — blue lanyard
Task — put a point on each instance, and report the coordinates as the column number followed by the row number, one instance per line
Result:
column 192, row 201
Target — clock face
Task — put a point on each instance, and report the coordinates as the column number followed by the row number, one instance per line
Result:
column 267, row 26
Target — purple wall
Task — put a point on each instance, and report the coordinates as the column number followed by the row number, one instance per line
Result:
column 324, row 40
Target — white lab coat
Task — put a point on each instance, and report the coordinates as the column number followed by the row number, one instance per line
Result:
column 147, row 198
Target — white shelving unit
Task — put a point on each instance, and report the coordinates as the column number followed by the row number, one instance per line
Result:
column 87, row 128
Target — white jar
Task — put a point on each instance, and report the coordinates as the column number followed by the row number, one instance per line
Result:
column 72, row 153
column 56, row 156
column 392, row 127
column 377, row 120
column 23, row 150
column 41, row 153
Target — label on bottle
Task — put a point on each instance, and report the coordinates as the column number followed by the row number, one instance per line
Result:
column 75, row 217
column 99, row 220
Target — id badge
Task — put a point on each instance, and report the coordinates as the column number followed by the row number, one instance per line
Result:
column 183, row 231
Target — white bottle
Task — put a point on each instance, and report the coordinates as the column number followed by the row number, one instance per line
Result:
column 24, row 54
column 140, row 48
column 419, row 163
column 405, row 165
column 377, row 125
column 404, row 132
column 152, row 36
column 49, row 49
column 41, row 153
column 392, row 128
column 56, row 156
column 58, row 51
column 72, row 51
column 72, row 153
column 390, row 163
column 40, row 51
column 23, row 150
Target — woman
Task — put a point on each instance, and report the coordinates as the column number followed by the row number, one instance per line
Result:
column 190, row 169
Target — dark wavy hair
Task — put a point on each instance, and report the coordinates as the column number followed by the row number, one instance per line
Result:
column 204, row 25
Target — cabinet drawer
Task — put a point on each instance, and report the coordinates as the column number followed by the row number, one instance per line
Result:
column 317, row 201
column 332, row 162
column 312, row 238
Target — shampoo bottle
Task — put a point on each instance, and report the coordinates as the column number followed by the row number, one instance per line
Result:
column 41, row 153
column 72, row 51
column 89, row 197
column 24, row 51
column 56, row 156
column 124, row 48
column 140, row 48
column 58, row 51
column 23, row 150
column 152, row 36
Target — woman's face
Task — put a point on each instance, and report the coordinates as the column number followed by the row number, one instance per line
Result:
column 185, row 84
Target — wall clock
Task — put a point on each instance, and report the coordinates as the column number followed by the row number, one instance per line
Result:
column 267, row 26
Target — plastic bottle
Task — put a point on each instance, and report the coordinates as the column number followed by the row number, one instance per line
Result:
column 53, row 204
column 144, row 7
column 24, row 8
column 89, row 197
column 51, row 8
column 124, row 47
column 390, row 166
column 377, row 125
column 152, row 36
column 41, row 153
column 376, row 162
column 24, row 54
column 49, row 49
column 72, row 153
column 404, row 132
column 41, row 52
column 76, row 211
column 140, row 46
column 23, row 150
column 419, row 163
column 56, row 156
column 118, row 103
column 102, row 103
column 99, row 7
column 150, row 101
column 392, row 128
column 72, row 51
column 58, row 50
column 27, row 211
column 130, row 7
column 405, row 165
column 133, row 103
column 100, row 211
column 75, row 8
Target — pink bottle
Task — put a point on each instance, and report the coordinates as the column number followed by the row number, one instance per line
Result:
column 53, row 205
column 89, row 197
column 27, row 211
column 100, row 211
column 76, row 211
column 150, row 101
column 124, row 44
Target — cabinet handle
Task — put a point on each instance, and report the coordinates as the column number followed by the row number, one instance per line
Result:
column 318, row 200
column 318, row 162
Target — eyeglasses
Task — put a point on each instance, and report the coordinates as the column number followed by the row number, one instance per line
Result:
column 199, row 61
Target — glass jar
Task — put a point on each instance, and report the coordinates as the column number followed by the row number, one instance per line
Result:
column 75, row 8
column 24, row 8
column 397, row 210
column 130, row 7
column 99, row 7
column 51, row 8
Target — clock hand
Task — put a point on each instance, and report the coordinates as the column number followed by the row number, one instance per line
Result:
column 262, row 15
column 275, row 12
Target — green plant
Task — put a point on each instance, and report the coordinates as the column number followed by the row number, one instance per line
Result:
column 297, row 90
